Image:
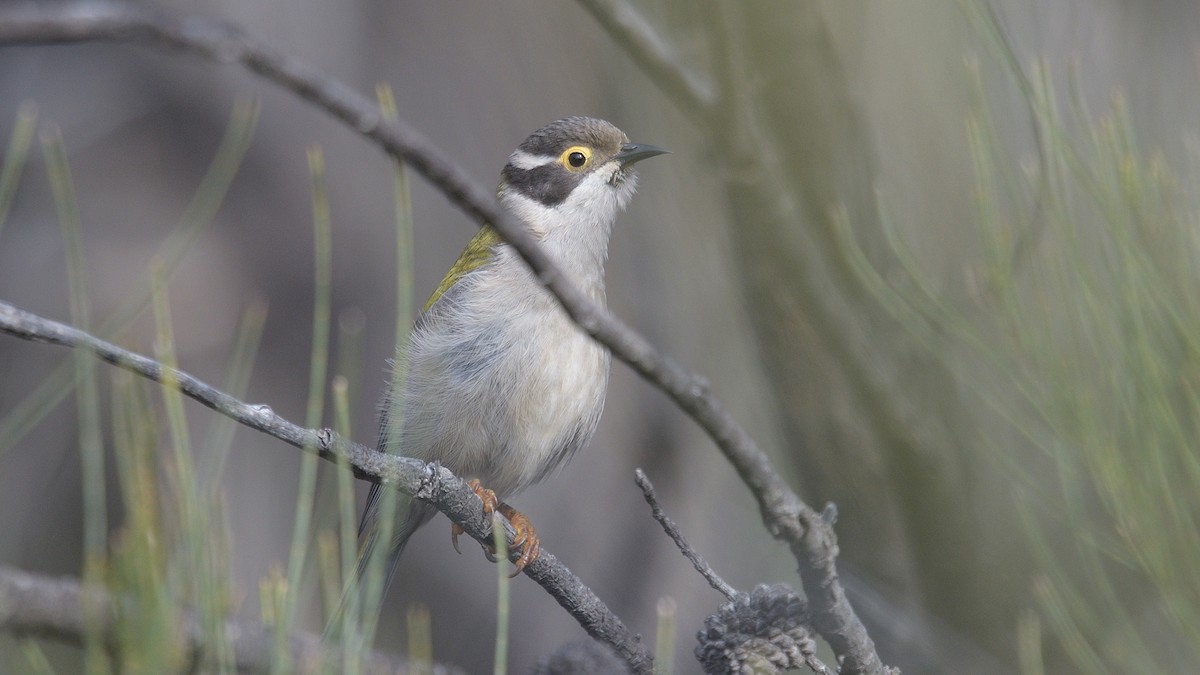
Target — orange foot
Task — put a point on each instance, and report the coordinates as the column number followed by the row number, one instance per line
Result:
column 526, row 540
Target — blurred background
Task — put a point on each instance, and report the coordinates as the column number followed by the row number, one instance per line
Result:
column 940, row 262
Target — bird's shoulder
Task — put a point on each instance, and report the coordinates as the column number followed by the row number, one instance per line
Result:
column 477, row 252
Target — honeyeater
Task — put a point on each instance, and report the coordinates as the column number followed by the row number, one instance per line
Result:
column 499, row 384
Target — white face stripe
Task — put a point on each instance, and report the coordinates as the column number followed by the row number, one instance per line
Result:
column 536, row 215
column 525, row 161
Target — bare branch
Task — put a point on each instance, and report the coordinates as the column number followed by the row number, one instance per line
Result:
column 48, row 607
column 676, row 536
column 431, row 483
column 656, row 55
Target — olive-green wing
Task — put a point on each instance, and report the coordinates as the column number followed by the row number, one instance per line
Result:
column 477, row 252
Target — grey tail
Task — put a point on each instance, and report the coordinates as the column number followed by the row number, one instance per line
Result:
column 357, row 598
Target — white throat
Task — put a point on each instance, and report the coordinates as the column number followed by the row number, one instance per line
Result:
column 576, row 231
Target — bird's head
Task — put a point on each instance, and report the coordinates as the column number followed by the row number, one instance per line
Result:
column 575, row 173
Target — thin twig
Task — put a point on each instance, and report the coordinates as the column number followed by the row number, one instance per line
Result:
column 698, row 560
column 431, row 483
column 676, row 536
column 694, row 95
column 816, row 665
column 52, row 607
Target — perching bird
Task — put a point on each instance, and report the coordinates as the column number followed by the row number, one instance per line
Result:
column 501, row 386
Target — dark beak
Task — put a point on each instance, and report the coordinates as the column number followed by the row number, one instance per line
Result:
column 636, row 152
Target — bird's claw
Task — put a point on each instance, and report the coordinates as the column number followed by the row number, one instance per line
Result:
column 526, row 539
column 489, row 506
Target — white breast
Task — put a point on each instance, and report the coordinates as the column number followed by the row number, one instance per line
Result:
column 502, row 385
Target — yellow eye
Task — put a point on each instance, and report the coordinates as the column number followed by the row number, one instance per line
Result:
column 576, row 158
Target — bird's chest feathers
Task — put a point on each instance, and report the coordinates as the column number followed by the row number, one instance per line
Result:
column 521, row 386
column 564, row 379
column 555, row 374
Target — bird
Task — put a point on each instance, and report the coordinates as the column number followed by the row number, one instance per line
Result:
column 496, row 382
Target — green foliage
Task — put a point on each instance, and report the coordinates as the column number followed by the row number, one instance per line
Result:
column 14, row 157
column 169, row 553
column 91, row 443
column 1081, row 324
column 1113, row 336
column 43, row 399
column 664, row 637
